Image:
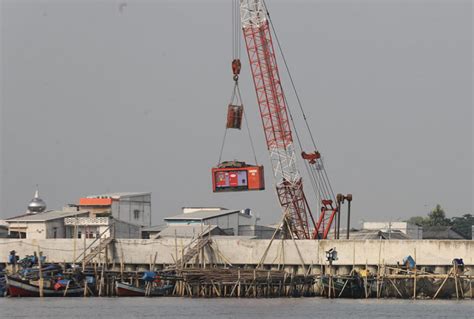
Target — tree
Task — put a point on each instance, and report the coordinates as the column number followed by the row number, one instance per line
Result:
column 417, row 220
column 437, row 217
column 463, row 224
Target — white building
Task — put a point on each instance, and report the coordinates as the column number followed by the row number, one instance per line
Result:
column 411, row 230
column 3, row 229
column 95, row 227
column 132, row 208
column 49, row 224
column 226, row 219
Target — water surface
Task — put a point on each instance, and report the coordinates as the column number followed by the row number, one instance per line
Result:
column 179, row 308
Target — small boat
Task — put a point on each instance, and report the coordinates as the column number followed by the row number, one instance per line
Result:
column 25, row 288
column 350, row 287
column 3, row 284
column 127, row 290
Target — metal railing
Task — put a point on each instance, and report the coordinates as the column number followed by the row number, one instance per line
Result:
column 83, row 255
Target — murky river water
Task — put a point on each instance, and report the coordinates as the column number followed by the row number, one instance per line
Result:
column 230, row 308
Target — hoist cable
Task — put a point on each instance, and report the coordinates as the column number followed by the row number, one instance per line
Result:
column 290, row 76
column 222, row 147
column 247, row 125
column 324, row 177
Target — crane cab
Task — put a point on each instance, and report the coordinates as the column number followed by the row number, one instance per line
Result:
column 237, row 176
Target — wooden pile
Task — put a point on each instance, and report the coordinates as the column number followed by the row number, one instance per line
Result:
column 236, row 282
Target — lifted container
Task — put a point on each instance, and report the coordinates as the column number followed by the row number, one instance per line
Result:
column 234, row 116
column 237, row 176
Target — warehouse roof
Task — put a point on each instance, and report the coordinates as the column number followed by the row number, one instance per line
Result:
column 188, row 231
column 205, row 214
column 366, row 234
column 441, row 232
column 45, row 216
column 156, row 228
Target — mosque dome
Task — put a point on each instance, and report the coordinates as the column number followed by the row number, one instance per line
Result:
column 36, row 205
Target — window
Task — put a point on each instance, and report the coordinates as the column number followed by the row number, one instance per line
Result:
column 136, row 214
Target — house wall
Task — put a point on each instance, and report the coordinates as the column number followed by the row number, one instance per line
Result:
column 125, row 208
column 260, row 232
column 3, row 232
column 229, row 221
column 55, row 225
column 411, row 230
column 120, row 229
column 225, row 222
column 126, row 230
column 42, row 229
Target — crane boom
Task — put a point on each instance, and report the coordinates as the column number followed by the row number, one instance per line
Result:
column 274, row 115
column 277, row 126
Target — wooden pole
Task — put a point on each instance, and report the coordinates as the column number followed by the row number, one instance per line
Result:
column 238, row 288
column 75, row 239
column 444, row 281
column 378, row 268
column 40, row 265
column 84, row 255
column 395, row 286
column 365, row 280
column 65, row 290
column 414, row 279
column 455, row 266
column 345, row 284
column 470, row 284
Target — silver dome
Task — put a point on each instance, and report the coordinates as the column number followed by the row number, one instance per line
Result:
column 36, row 205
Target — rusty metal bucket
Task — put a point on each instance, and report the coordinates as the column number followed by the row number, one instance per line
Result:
column 234, row 116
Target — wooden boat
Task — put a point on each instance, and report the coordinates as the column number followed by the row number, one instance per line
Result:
column 24, row 288
column 3, row 284
column 354, row 287
column 126, row 290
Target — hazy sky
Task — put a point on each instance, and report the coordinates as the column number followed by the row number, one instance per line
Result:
column 105, row 96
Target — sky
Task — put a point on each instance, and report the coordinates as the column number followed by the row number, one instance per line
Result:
column 111, row 96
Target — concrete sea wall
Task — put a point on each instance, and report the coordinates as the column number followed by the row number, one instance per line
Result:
column 238, row 251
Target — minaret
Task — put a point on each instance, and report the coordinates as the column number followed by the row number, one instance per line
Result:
column 36, row 205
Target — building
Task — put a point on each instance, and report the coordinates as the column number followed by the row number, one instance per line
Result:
column 227, row 220
column 96, row 227
column 371, row 234
column 3, row 229
column 94, row 216
column 411, row 230
column 259, row 231
column 441, row 232
column 44, row 225
column 132, row 208
column 191, row 231
column 152, row 232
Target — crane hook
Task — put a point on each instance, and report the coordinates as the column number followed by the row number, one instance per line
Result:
column 236, row 66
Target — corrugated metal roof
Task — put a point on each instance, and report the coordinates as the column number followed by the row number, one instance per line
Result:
column 155, row 228
column 376, row 234
column 441, row 232
column 49, row 215
column 189, row 231
column 204, row 214
column 118, row 195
